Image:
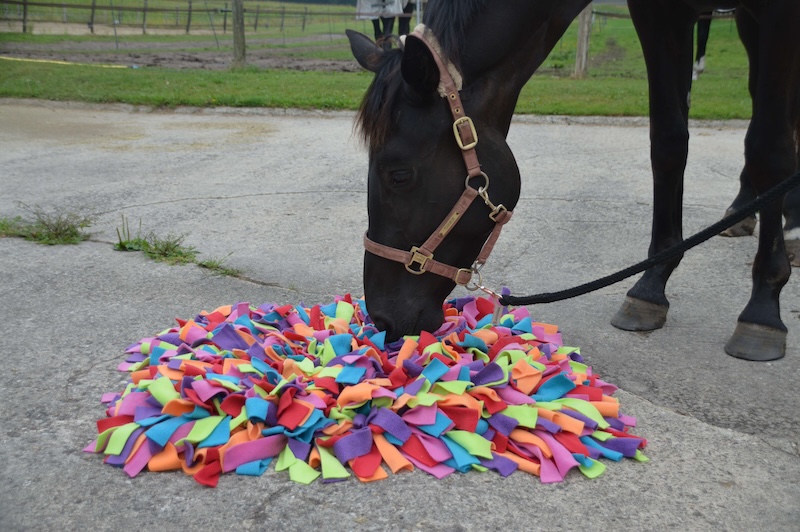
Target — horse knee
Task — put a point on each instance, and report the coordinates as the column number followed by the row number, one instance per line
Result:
column 668, row 153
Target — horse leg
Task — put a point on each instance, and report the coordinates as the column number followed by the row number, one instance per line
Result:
column 791, row 213
column 746, row 194
column 791, row 208
column 703, row 29
column 665, row 31
column 770, row 157
column 748, row 33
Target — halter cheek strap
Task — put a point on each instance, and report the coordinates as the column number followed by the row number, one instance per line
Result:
column 420, row 258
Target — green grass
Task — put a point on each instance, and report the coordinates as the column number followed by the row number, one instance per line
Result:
column 60, row 227
column 248, row 87
column 217, row 266
column 616, row 85
column 714, row 96
column 617, row 81
column 169, row 249
column 45, row 227
column 12, row 227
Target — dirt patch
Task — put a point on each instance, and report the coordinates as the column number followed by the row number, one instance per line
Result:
column 612, row 52
column 179, row 60
column 204, row 52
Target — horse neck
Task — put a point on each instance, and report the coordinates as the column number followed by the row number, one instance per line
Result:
column 504, row 47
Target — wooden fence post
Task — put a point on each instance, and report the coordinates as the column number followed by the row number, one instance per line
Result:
column 189, row 18
column 91, row 17
column 144, row 18
column 584, row 31
column 25, row 16
column 258, row 12
column 283, row 16
column 225, row 19
column 238, row 33
column 305, row 14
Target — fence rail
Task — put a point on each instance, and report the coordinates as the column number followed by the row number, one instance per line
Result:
column 188, row 14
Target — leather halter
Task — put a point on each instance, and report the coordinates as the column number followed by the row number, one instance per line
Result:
column 420, row 258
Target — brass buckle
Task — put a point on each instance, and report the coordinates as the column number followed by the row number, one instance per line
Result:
column 418, row 258
column 500, row 209
column 463, row 271
column 459, row 140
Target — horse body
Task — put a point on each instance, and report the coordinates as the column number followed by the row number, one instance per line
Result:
column 416, row 170
column 665, row 31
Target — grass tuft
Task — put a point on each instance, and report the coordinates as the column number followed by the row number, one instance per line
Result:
column 48, row 227
column 11, row 227
column 127, row 242
column 169, row 249
column 217, row 268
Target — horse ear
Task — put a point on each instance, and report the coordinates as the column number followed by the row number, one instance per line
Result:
column 419, row 68
column 366, row 52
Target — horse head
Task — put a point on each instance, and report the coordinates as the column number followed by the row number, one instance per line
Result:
column 418, row 172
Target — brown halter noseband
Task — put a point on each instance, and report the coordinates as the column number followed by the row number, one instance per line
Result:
column 420, row 258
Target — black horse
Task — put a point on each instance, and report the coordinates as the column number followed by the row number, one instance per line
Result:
column 791, row 205
column 703, row 31
column 489, row 51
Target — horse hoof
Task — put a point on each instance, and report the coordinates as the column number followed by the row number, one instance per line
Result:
column 756, row 342
column 793, row 251
column 743, row 228
column 638, row 315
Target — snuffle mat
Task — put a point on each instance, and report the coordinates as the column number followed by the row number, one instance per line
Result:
column 319, row 391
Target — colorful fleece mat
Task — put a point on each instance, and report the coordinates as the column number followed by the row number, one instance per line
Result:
column 319, row 391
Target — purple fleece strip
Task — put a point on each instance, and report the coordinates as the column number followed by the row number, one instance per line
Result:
column 357, row 443
column 588, row 422
column 122, row 457
column 490, row 373
column 626, row 446
column 391, row 423
column 503, row 424
column 299, row 449
column 501, row 464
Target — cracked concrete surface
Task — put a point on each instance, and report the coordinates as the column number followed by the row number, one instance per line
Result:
column 285, row 193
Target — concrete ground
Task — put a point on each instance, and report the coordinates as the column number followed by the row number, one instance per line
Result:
column 284, row 193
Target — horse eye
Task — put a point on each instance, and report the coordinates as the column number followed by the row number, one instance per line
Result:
column 401, row 178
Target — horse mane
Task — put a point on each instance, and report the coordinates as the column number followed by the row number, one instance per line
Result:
column 448, row 19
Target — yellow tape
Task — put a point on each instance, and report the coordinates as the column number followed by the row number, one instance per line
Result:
column 59, row 62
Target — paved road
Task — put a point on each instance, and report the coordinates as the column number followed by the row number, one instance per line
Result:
column 285, row 194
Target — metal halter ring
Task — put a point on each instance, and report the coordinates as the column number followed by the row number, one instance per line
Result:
column 481, row 190
column 474, row 284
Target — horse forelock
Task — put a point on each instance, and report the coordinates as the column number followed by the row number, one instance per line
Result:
column 448, row 20
column 374, row 117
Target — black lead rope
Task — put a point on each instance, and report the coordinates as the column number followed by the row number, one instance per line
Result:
column 748, row 210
